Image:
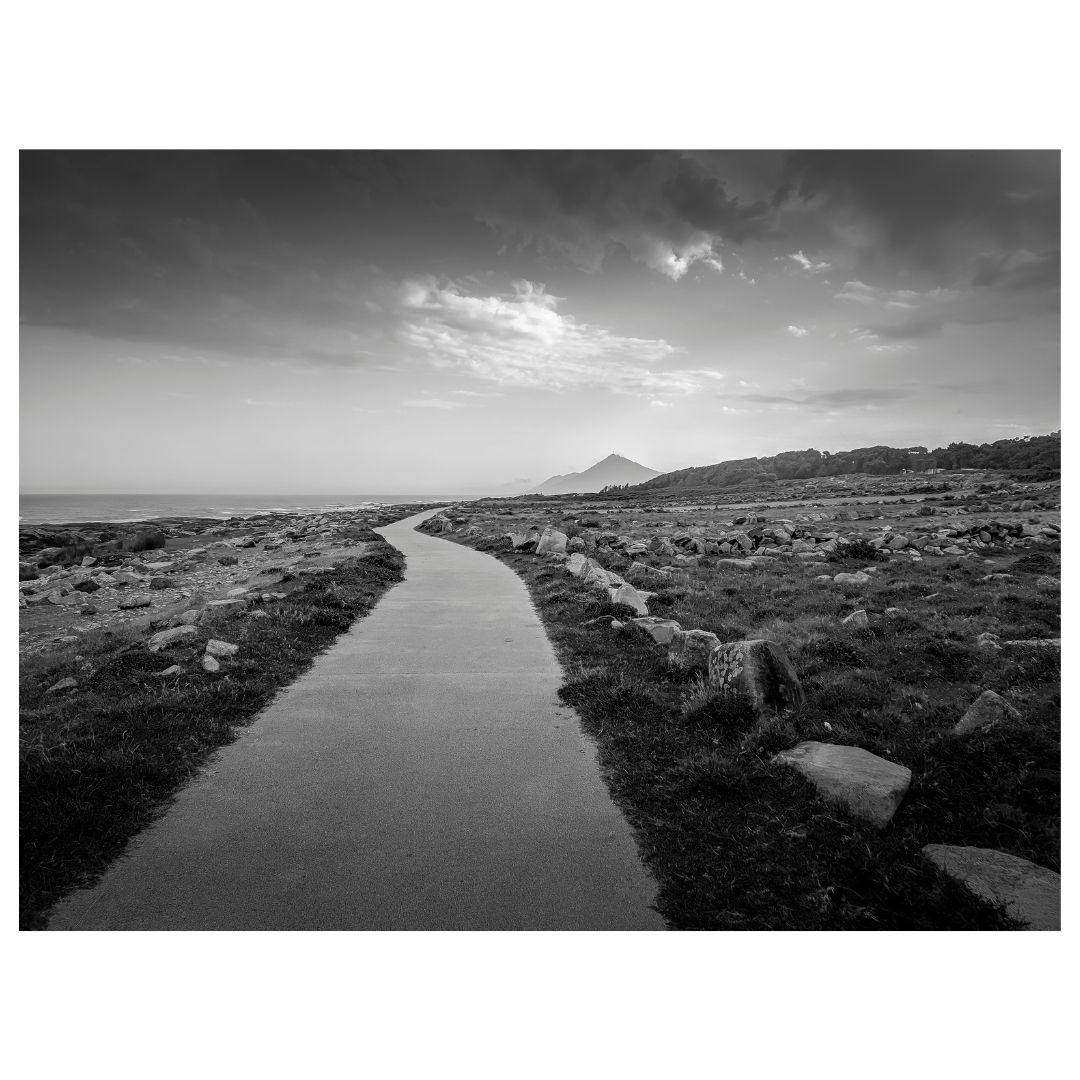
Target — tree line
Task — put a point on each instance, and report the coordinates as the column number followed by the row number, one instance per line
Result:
column 1038, row 454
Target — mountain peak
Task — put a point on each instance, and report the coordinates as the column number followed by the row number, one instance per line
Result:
column 612, row 470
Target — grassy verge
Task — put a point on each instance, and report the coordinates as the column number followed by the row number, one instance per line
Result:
column 737, row 843
column 99, row 763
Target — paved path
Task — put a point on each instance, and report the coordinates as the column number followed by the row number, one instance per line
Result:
column 422, row 775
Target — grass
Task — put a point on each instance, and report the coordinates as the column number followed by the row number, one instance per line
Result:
column 99, row 763
column 736, row 843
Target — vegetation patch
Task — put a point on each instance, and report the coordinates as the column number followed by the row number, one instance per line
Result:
column 99, row 762
column 737, row 843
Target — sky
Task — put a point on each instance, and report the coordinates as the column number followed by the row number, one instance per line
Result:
column 414, row 321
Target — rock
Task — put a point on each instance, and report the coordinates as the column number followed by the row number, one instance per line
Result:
column 1029, row 893
column 662, row 631
column 87, row 585
column 988, row 708
column 164, row 638
column 227, row 559
column 61, row 686
column 757, row 672
column 987, row 642
column 597, row 577
column 27, row 572
column 1036, row 643
column 869, row 786
column 221, row 649
column 823, row 578
column 220, row 610
column 692, row 648
column 551, row 540
column 1051, row 584
column 520, row 540
column 858, row 578
column 240, row 590
column 897, row 543
column 161, row 582
column 628, row 595
column 131, row 602
column 798, row 546
column 576, row 564
column 857, row 620
column 176, row 669
column 210, row 664
column 739, row 564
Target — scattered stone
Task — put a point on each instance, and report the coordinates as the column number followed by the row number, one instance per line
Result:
column 870, row 786
column 757, row 672
column 220, row 610
column 1029, row 893
column 553, row 541
column 857, row 620
column 61, row 686
column 221, row 649
column 628, row 595
column 858, row 578
column 988, row 708
column 210, row 664
column 165, row 638
column 662, row 631
column 176, row 669
column 692, row 648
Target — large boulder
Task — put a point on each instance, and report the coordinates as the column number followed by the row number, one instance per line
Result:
column 988, row 708
column 551, row 542
column 869, row 786
column 1029, row 893
column 692, row 648
column 757, row 673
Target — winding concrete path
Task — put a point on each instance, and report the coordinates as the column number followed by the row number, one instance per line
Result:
column 421, row 776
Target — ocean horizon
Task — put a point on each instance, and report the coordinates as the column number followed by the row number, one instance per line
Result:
column 64, row 509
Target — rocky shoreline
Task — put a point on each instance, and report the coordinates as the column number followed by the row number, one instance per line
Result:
column 78, row 579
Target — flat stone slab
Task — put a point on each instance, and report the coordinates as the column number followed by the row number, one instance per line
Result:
column 1030, row 894
column 869, row 786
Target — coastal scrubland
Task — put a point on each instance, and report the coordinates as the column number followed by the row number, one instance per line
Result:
column 737, row 842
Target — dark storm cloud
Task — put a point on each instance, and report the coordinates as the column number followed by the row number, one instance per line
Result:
column 211, row 250
column 933, row 209
column 665, row 208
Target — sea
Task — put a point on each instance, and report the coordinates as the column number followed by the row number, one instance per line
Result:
column 65, row 509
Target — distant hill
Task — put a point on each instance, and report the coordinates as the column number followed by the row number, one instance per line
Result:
column 613, row 470
column 1029, row 453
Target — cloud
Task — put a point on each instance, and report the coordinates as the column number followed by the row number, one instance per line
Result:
column 522, row 339
column 816, row 400
column 929, row 210
column 666, row 209
column 432, row 403
column 809, row 264
column 798, row 331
